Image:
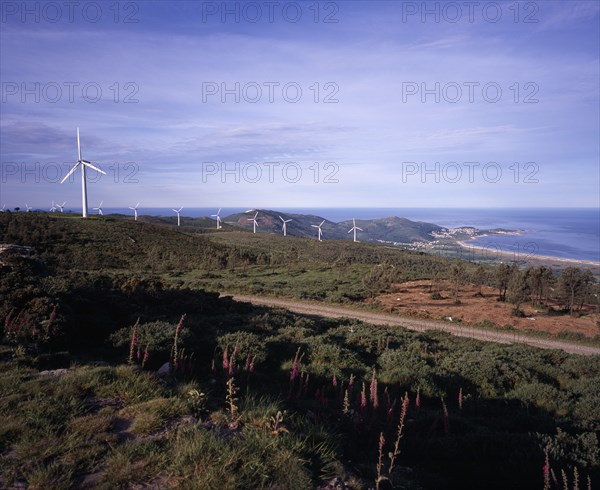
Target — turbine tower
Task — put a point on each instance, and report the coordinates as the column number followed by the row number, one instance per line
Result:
column 178, row 217
column 134, row 209
column 319, row 228
column 61, row 206
column 354, row 228
column 99, row 209
column 53, row 208
column 83, row 164
column 218, row 219
column 284, row 226
column 255, row 224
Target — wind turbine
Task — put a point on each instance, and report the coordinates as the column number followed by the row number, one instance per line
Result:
column 3, row 208
column 354, row 228
column 284, row 227
column 83, row 164
column 99, row 209
column 134, row 209
column 178, row 217
column 319, row 228
column 28, row 207
column 254, row 221
column 61, row 206
column 53, row 208
column 218, row 219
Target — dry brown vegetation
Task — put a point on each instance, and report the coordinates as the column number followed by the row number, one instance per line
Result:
column 414, row 298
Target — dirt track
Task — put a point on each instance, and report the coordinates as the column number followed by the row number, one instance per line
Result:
column 320, row 309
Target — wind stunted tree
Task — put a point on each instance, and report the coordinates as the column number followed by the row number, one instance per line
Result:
column 574, row 285
column 502, row 276
column 479, row 277
column 539, row 280
column 518, row 290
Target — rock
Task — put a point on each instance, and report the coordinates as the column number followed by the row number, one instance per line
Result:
column 53, row 373
column 165, row 369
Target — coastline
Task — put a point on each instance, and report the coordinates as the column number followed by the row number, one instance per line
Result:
column 544, row 259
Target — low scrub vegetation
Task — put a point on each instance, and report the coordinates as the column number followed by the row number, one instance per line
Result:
column 116, row 378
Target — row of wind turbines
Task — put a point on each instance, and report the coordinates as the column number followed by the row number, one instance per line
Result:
column 83, row 164
column 318, row 227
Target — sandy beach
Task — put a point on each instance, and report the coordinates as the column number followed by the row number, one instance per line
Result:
column 555, row 262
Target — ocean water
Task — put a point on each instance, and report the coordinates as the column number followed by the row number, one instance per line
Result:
column 570, row 233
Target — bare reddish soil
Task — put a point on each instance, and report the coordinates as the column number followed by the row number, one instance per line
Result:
column 413, row 299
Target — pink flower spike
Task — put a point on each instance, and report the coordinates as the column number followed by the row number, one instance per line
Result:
column 225, row 359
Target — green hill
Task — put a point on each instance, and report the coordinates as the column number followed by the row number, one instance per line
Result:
column 393, row 229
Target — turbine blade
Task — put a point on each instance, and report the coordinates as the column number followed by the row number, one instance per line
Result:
column 94, row 167
column 70, row 172
column 322, row 223
column 78, row 147
column 360, row 229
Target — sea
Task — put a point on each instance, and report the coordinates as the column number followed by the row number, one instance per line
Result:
column 567, row 233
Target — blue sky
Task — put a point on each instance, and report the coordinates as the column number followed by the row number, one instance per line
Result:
column 509, row 116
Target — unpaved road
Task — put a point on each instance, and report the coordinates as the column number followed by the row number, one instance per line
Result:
column 320, row 309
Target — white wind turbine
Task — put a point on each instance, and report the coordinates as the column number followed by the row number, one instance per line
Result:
column 99, row 209
column 354, row 228
column 284, row 226
column 61, row 206
column 53, row 208
column 218, row 219
column 2, row 208
column 178, row 217
column 134, row 209
column 83, row 164
column 255, row 224
column 319, row 228
column 28, row 207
